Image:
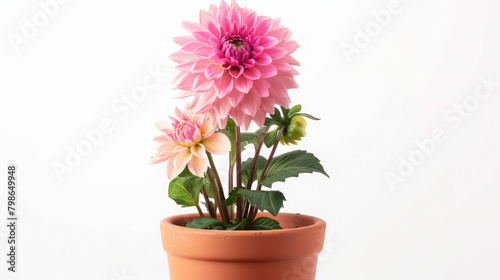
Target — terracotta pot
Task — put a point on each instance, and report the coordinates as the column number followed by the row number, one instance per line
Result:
column 287, row 254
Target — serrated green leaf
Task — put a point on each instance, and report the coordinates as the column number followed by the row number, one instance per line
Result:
column 284, row 166
column 265, row 223
column 232, row 198
column 271, row 201
column 205, row 222
column 184, row 191
column 291, row 164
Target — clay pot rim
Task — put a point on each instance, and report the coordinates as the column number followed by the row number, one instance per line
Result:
column 316, row 225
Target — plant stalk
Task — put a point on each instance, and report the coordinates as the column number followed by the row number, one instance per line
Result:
column 253, row 209
column 239, row 201
column 218, row 202
column 217, row 178
column 230, row 186
column 246, row 204
column 199, row 210
column 209, row 205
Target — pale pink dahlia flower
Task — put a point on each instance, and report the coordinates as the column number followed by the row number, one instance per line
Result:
column 236, row 63
column 185, row 141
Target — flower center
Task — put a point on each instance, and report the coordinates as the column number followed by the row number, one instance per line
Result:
column 237, row 44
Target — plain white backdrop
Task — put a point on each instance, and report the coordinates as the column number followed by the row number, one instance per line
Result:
column 418, row 74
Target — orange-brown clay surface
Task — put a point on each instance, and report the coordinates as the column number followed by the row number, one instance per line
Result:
column 287, row 254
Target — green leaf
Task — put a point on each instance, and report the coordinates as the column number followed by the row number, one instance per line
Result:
column 291, row 164
column 271, row 201
column 251, row 137
column 184, row 191
column 308, row 116
column 241, row 225
column 277, row 115
column 284, row 166
column 230, row 133
column 265, row 223
column 295, row 109
column 247, row 164
column 285, row 113
column 232, row 198
column 270, row 122
column 205, row 222
column 271, row 137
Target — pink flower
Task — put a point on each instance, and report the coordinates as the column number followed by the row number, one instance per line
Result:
column 185, row 142
column 236, row 63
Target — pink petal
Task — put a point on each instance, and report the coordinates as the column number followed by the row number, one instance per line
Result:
column 250, row 19
column 182, row 40
column 268, row 41
column 191, row 46
column 217, row 144
column 263, row 27
column 236, row 71
column 200, row 65
column 203, row 51
column 181, row 56
column 290, row 46
column 184, row 81
column 222, row 108
column 184, row 94
column 263, row 59
column 235, row 97
column 161, row 138
column 204, row 102
column 213, row 71
column 250, row 104
column 214, row 30
column 202, row 36
column 224, row 85
column 198, row 166
column 198, row 150
column 252, row 73
column 172, row 171
column 268, row 71
column 242, row 84
column 207, row 18
column 192, row 26
column 164, row 126
column 276, row 52
column 202, row 84
column 261, row 87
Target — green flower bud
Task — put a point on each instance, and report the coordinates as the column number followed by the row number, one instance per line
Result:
column 294, row 131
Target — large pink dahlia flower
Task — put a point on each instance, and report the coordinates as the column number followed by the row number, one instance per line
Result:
column 236, row 63
column 185, row 141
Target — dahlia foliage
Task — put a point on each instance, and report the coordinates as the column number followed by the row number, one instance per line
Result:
column 237, row 67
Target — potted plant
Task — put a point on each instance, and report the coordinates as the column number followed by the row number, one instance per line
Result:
column 237, row 68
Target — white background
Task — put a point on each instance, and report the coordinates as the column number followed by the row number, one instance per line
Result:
column 101, row 220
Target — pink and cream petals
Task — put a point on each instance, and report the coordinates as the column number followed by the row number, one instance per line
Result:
column 185, row 141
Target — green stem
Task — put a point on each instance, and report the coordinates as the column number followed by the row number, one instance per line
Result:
column 230, row 185
column 207, row 201
column 199, row 210
column 253, row 210
column 252, row 169
column 218, row 202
